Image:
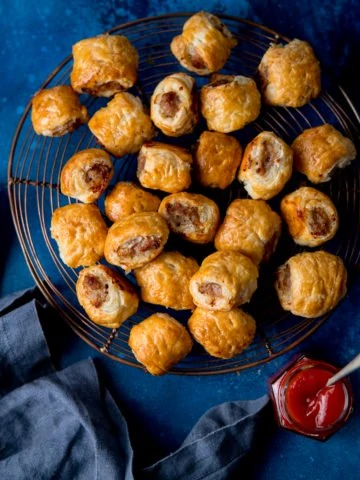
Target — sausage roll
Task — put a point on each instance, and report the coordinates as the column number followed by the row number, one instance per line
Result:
column 164, row 167
column 174, row 105
column 104, row 65
column 217, row 157
column 290, row 74
column 224, row 280
column 192, row 216
column 311, row 284
column 266, row 166
column 57, row 111
column 127, row 198
column 222, row 334
column 319, row 151
column 159, row 342
column 80, row 233
column 249, row 227
column 107, row 298
column 136, row 240
column 204, row 45
column 229, row 102
column 310, row 215
column 86, row 175
column 122, row 126
column 165, row 280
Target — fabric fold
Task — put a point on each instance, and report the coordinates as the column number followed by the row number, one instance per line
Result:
column 65, row 424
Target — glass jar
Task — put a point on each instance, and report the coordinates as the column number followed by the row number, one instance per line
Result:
column 303, row 403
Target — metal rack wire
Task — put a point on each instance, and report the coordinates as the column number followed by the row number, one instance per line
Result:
column 34, row 170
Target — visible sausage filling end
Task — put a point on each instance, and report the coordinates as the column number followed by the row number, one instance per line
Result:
column 141, row 163
column 221, row 81
column 96, row 291
column 270, row 247
column 211, row 289
column 169, row 104
column 196, row 60
column 283, row 280
column 97, row 177
column 266, row 160
column 182, row 216
column 104, row 87
column 139, row 245
column 319, row 222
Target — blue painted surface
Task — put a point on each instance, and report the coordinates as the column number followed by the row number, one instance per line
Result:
column 35, row 37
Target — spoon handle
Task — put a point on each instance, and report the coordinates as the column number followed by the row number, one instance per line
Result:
column 350, row 367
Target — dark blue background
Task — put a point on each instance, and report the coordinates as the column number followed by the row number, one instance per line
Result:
column 34, row 38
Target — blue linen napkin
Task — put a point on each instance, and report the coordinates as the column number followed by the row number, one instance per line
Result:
column 65, row 424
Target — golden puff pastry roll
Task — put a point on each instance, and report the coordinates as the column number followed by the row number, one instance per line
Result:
column 311, row 284
column 136, row 240
column 159, row 342
column 165, row 280
column 123, row 125
column 311, row 216
column 204, row 45
column 192, row 216
column 174, row 105
column 320, row 150
column 290, row 74
column 224, row 280
column 80, row 233
column 249, row 227
column 86, row 175
column 127, row 198
column 222, row 334
column 217, row 157
column 229, row 102
column 104, row 65
column 266, row 166
column 107, row 298
column 57, row 111
column 164, row 167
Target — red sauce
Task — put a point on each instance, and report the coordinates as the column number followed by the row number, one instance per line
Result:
column 305, row 405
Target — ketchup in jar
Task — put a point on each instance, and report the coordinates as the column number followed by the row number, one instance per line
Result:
column 304, row 404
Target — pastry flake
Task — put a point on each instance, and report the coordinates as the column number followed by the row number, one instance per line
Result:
column 165, row 280
column 80, row 233
column 159, row 342
column 320, row 150
column 222, row 334
column 192, row 216
column 224, row 280
column 164, row 167
column 122, row 126
column 57, row 111
column 107, row 298
column 229, row 102
column 136, row 240
column 216, row 160
column 311, row 284
column 86, row 175
column 311, row 216
column 204, row 45
column 249, row 227
column 174, row 105
column 127, row 198
column 266, row 166
column 104, row 65
column 290, row 74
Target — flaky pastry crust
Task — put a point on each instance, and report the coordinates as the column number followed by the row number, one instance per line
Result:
column 107, row 298
column 165, row 280
column 57, row 111
column 311, row 284
column 249, row 227
column 80, row 233
column 222, row 334
column 159, row 342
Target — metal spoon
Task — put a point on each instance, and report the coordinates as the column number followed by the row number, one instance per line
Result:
column 350, row 367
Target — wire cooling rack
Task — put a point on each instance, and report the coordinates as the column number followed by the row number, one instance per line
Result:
column 34, row 170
